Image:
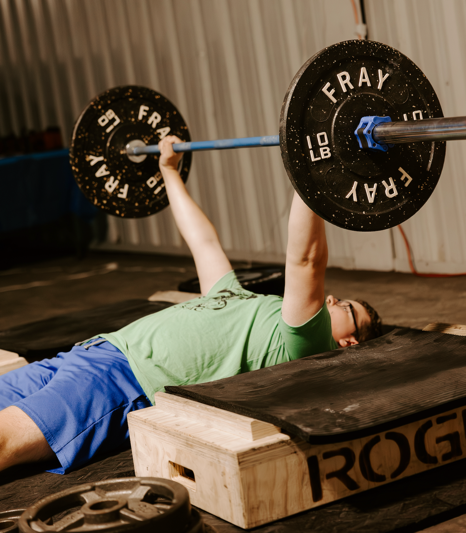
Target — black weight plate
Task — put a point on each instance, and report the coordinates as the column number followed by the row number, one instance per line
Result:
column 335, row 178
column 123, row 505
column 261, row 280
column 98, row 157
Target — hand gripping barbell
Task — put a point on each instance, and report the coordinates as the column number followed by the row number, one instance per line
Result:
column 361, row 134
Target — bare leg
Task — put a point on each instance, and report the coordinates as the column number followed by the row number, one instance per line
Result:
column 21, row 441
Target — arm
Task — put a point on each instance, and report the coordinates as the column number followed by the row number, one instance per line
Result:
column 306, row 261
column 195, row 228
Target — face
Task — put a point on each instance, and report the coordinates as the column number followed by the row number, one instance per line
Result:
column 343, row 326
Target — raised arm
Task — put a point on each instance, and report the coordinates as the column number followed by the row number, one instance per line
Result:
column 195, row 228
column 306, row 261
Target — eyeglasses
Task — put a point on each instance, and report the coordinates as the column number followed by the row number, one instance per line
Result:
column 348, row 305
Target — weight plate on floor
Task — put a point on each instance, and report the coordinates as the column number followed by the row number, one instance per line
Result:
column 122, row 186
column 136, row 505
column 9, row 520
column 361, row 190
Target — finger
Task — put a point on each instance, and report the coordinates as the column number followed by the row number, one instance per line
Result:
column 165, row 146
column 172, row 139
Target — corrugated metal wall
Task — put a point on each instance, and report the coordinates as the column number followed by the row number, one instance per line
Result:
column 226, row 64
column 432, row 34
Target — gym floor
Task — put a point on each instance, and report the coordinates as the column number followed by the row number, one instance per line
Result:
column 53, row 287
column 58, row 286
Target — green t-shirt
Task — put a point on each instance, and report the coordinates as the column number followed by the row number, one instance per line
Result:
column 227, row 332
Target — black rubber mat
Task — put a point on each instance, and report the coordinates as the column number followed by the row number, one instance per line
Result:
column 45, row 338
column 344, row 394
column 408, row 505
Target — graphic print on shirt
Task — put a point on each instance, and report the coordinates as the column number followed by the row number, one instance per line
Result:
column 219, row 301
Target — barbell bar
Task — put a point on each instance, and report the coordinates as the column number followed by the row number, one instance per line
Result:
column 114, row 143
column 198, row 146
column 433, row 129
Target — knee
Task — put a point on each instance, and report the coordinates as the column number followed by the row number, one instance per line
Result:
column 21, row 441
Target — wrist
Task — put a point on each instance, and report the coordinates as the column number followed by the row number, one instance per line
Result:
column 168, row 167
column 169, row 171
column 171, row 176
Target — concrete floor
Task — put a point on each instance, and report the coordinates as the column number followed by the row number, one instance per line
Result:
column 58, row 286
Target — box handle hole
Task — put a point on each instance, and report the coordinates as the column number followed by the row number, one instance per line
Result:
column 182, row 475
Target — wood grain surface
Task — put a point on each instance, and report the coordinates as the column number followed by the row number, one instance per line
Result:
column 10, row 361
column 250, row 482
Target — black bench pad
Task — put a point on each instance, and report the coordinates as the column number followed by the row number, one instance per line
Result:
column 45, row 338
column 344, row 394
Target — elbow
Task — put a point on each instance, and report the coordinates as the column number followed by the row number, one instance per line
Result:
column 316, row 262
column 322, row 257
column 314, row 258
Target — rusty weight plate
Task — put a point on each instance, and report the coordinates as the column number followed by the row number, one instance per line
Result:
column 9, row 520
column 123, row 505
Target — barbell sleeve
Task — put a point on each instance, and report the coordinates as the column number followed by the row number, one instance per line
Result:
column 429, row 129
column 221, row 144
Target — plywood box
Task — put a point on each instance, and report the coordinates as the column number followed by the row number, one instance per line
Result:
column 250, row 473
column 10, row 361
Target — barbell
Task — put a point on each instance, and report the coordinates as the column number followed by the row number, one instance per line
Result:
column 362, row 138
column 372, row 132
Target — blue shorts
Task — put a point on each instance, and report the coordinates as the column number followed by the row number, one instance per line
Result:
column 79, row 400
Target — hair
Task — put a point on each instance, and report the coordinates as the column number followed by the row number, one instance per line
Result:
column 373, row 329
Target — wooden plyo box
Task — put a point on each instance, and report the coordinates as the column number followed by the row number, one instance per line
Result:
column 250, row 473
column 10, row 361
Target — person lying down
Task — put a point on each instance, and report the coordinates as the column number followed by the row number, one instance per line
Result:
column 74, row 406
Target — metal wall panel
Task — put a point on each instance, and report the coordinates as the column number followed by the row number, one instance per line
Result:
column 431, row 33
column 226, row 64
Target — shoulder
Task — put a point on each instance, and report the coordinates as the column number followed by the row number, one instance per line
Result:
column 309, row 338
